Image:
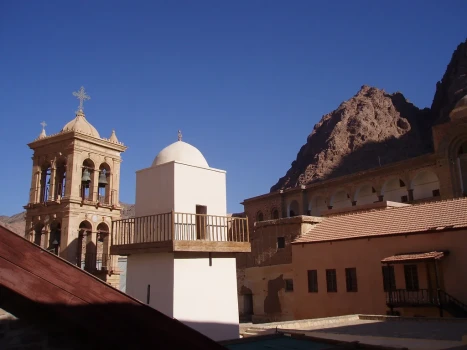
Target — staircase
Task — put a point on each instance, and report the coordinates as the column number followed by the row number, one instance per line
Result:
column 452, row 305
column 426, row 297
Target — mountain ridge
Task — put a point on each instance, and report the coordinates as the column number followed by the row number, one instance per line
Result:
column 374, row 128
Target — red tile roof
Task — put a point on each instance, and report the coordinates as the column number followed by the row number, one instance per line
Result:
column 423, row 217
column 413, row 257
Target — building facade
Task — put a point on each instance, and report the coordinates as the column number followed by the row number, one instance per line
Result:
column 437, row 176
column 74, row 194
column 408, row 260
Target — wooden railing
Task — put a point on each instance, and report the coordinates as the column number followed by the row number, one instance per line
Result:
column 403, row 297
column 426, row 297
column 175, row 226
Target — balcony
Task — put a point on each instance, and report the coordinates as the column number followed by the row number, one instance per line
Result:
column 180, row 232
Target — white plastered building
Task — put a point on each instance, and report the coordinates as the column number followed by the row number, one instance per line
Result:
column 181, row 244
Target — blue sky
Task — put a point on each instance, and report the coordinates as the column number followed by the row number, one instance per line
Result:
column 245, row 81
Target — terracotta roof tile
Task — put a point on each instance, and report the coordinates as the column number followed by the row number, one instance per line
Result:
column 413, row 257
column 416, row 218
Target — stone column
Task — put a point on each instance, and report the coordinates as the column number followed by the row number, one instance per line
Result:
column 53, row 172
column 94, row 186
column 115, row 182
column 304, row 194
column 73, row 176
column 33, row 194
column 29, row 229
column 69, row 237
column 283, row 205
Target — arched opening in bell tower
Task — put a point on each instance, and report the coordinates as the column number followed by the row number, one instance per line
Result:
column 87, row 180
column 104, row 184
column 55, row 236
column 60, row 179
column 102, row 247
column 38, row 234
column 44, row 182
column 462, row 167
column 84, row 258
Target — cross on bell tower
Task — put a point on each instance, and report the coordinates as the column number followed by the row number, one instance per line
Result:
column 81, row 96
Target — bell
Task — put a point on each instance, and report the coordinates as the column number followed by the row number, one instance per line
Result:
column 102, row 180
column 86, row 176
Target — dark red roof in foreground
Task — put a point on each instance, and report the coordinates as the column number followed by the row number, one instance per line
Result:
column 109, row 318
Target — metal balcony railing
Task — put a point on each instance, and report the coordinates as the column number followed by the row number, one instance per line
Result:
column 175, row 226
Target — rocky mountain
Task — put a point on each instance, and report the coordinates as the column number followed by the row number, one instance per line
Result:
column 17, row 223
column 375, row 128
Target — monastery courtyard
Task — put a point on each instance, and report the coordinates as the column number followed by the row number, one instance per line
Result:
column 385, row 331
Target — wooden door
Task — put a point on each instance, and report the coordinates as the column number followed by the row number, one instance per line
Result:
column 201, row 221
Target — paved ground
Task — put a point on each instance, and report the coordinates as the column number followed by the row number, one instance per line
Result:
column 280, row 343
column 401, row 329
column 416, row 334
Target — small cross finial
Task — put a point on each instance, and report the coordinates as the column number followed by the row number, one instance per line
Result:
column 43, row 125
column 81, row 96
column 179, row 135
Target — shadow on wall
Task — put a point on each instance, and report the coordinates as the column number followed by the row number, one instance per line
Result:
column 415, row 142
column 93, row 326
column 272, row 304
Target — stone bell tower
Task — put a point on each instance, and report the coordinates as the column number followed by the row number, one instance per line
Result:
column 74, row 194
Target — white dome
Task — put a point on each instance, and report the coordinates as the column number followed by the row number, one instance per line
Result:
column 80, row 124
column 181, row 152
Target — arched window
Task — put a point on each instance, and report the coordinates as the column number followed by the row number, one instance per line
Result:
column 425, row 185
column 394, row 190
column 294, row 209
column 44, row 182
column 104, row 184
column 259, row 216
column 87, row 180
column 366, row 194
column 462, row 167
column 60, row 179
column 316, row 206
column 85, row 257
column 340, row 199
column 275, row 214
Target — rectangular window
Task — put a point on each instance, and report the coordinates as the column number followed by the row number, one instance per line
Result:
column 313, row 281
column 351, row 279
column 289, row 285
column 411, row 277
column 389, row 278
column 331, row 280
column 404, row 199
column 436, row 193
column 280, row 242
